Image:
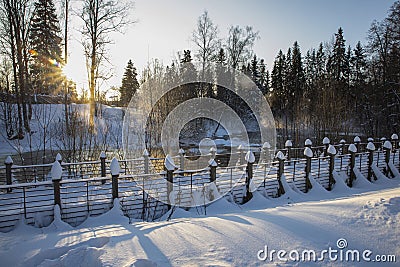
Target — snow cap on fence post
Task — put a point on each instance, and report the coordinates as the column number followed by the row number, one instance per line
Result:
column 308, row 143
column 331, row 150
column 266, row 145
column 56, row 171
column 169, row 163
column 326, row 141
column 280, row 155
column 288, row 143
column 308, row 152
column 59, row 157
column 250, row 157
column 8, row 160
column 352, row 148
column 370, row 139
column 103, row 155
column 357, row 139
column 146, row 153
column 387, row 145
column 114, row 167
column 370, row 146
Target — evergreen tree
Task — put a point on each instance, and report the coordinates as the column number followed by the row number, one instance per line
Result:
column 45, row 49
column 337, row 62
column 255, row 72
column 130, row 84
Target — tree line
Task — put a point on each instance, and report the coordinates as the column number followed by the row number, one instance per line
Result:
column 34, row 51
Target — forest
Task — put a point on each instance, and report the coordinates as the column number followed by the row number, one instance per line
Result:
column 331, row 90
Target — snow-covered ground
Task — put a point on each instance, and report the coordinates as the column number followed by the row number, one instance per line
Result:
column 367, row 217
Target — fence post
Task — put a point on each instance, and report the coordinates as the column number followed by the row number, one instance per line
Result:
column 331, row 152
column 383, row 140
column 387, row 147
column 146, row 161
column 281, row 169
column 181, row 159
column 8, row 162
column 395, row 139
column 309, row 154
column 353, row 151
column 213, row 170
column 370, row 149
column 115, row 170
column 59, row 158
column 250, row 159
column 326, row 143
column 266, row 151
column 56, row 173
column 308, row 143
column 342, row 143
column 170, row 167
column 288, row 146
column 357, row 142
column 103, row 166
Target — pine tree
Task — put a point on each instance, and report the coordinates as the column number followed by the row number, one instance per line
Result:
column 130, row 84
column 337, row 62
column 45, row 48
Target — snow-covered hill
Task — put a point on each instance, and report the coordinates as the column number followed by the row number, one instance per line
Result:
column 228, row 236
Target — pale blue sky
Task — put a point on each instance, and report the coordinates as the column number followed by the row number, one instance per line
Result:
column 165, row 27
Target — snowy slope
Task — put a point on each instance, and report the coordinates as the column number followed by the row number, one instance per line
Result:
column 368, row 220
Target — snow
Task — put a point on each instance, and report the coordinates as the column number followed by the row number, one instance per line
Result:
column 387, row 144
column 394, row 170
column 169, row 163
column 114, row 167
column 212, row 163
column 280, row 155
column 229, row 235
column 249, row 158
column 361, row 181
column 266, row 145
column 56, row 171
column 326, row 141
column 370, row 139
column 383, row 139
column 288, row 143
column 146, row 153
column 331, row 150
column 58, row 157
column 395, row 137
column 370, row 146
column 357, row 139
column 308, row 142
column 342, row 141
column 352, row 148
column 103, row 155
column 308, row 152
column 8, row 160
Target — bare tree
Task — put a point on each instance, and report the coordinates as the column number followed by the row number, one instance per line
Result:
column 240, row 44
column 15, row 19
column 101, row 18
column 206, row 39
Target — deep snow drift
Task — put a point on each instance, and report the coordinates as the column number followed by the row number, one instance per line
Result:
column 366, row 216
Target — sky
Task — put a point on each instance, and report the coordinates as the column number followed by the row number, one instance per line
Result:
column 164, row 28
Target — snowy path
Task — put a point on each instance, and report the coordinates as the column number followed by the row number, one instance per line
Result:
column 228, row 236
